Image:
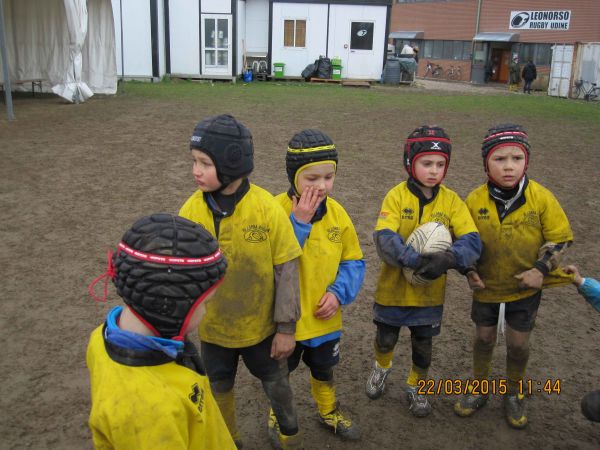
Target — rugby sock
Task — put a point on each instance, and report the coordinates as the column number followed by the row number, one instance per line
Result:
column 416, row 373
column 384, row 359
column 516, row 364
column 324, row 394
column 483, row 353
column 226, row 402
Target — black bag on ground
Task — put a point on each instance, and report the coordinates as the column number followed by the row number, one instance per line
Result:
column 309, row 71
column 324, row 68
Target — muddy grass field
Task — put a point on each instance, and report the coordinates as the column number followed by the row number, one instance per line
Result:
column 73, row 178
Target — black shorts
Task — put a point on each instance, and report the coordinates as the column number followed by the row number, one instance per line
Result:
column 221, row 362
column 520, row 315
column 421, row 331
column 318, row 359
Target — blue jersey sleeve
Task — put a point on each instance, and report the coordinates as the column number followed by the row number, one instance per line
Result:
column 349, row 279
column 590, row 289
column 301, row 230
column 392, row 250
column 467, row 250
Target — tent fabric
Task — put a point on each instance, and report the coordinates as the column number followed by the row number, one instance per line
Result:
column 497, row 37
column 73, row 89
column 38, row 44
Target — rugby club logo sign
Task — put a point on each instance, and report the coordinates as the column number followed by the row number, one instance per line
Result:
column 540, row 20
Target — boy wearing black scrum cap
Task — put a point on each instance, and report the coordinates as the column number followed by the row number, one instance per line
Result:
column 332, row 269
column 398, row 303
column 258, row 304
column 147, row 382
column 525, row 232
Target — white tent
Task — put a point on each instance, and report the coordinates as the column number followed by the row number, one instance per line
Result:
column 68, row 44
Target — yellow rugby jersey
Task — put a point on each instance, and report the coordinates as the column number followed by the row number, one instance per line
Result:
column 511, row 246
column 332, row 240
column 256, row 237
column 163, row 407
column 400, row 213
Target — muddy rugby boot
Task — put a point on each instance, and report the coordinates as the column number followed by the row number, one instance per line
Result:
column 280, row 441
column 340, row 425
column 469, row 404
column 418, row 404
column 514, row 410
column 376, row 381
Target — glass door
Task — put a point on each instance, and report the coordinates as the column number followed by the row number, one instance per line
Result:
column 216, row 44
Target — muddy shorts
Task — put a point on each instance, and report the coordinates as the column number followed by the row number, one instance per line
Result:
column 319, row 359
column 221, row 362
column 520, row 314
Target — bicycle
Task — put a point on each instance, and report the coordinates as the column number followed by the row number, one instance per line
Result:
column 435, row 69
column 588, row 94
column 454, row 73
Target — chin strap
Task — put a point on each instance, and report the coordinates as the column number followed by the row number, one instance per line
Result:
column 106, row 276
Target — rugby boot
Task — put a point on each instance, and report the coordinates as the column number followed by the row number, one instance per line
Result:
column 340, row 425
column 418, row 404
column 376, row 381
column 469, row 404
column 514, row 410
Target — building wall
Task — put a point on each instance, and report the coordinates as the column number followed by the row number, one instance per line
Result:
column 456, row 20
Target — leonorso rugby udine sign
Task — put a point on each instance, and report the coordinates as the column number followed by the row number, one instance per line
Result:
column 539, row 20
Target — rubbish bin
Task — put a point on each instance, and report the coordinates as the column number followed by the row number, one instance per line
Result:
column 336, row 72
column 279, row 70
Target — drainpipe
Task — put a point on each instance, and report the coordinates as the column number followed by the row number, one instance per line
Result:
column 479, row 2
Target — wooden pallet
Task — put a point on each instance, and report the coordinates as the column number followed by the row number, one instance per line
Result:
column 324, row 80
column 358, row 84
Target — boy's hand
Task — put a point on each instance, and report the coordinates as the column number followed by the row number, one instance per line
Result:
column 475, row 281
column 305, row 207
column 283, row 345
column 327, row 306
column 530, row 279
column 434, row 265
column 577, row 278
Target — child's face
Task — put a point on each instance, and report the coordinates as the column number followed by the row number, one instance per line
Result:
column 430, row 170
column 198, row 314
column 320, row 176
column 506, row 166
column 204, row 171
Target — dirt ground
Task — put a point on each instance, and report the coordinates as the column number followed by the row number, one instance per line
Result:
column 74, row 177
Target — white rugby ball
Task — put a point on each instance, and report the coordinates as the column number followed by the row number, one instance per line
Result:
column 430, row 237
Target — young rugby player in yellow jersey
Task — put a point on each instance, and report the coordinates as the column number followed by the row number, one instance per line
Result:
column 256, row 309
column 148, row 386
column 524, row 232
column 398, row 303
column 331, row 269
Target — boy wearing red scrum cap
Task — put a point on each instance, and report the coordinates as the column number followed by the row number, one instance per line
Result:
column 332, row 269
column 254, row 317
column 148, row 386
column 524, row 231
column 398, row 303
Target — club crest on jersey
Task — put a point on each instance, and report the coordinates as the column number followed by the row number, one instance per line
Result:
column 440, row 217
column 255, row 233
column 197, row 397
column 532, row 219
column 407, row 213
column 334, row 235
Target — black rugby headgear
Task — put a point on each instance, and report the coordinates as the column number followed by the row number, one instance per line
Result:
column 229, row 145
column 308, row 147
column 164, row 267
column 426, row 140
column 504, row 135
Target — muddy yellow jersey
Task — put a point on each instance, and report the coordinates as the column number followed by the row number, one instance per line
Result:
column 400, row 214
column 256, row 237
column 332, row 240
column 511, row 246
column 167, row 406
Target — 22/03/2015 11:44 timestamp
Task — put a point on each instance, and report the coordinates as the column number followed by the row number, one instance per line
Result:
column 547, row 386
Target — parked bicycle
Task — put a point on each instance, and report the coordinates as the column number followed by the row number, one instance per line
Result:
column 435, row 70
column 453, row 73
column 591, row 93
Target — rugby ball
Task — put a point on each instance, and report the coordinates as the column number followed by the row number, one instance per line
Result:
column 430, row 237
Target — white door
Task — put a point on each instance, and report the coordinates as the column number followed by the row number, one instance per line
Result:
column 560, row 71
column 356, row 35
column 216, row 44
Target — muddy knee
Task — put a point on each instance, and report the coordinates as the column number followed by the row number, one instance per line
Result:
column 386, row 338
column 280, row 395
column 222, row 386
